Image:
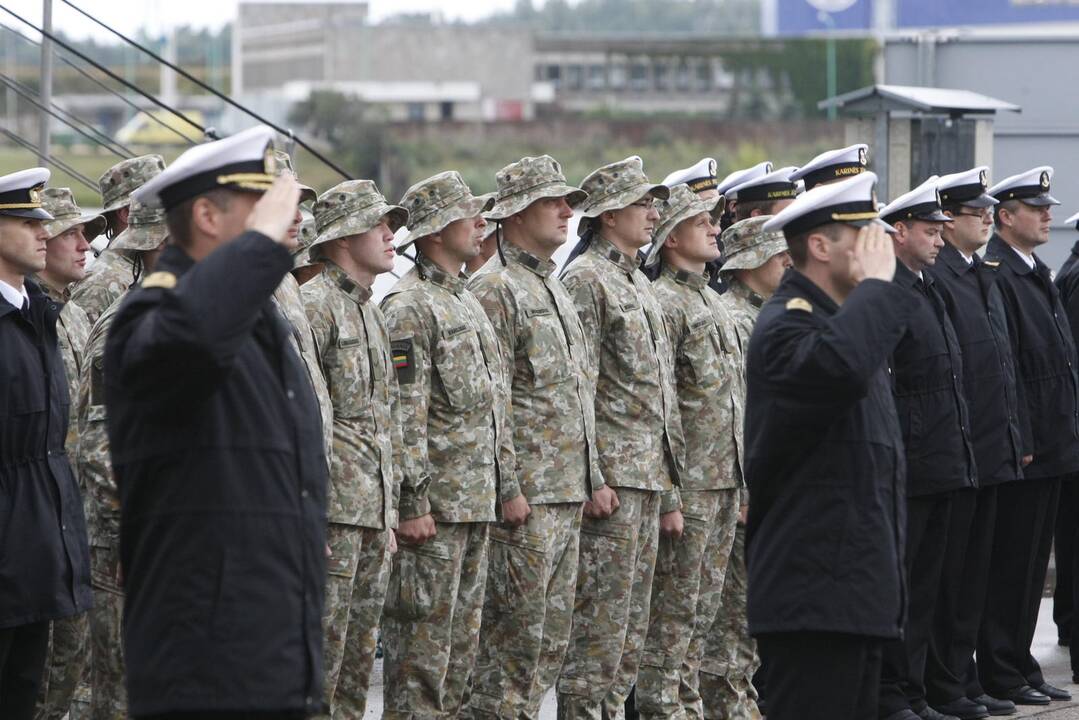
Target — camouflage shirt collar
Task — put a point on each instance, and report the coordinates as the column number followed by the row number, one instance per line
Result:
column 438, row 276
column 543, row 268
column 697, row 281
column 607, row 250
column 60, row 296
column 743, row 291
column 345, row 283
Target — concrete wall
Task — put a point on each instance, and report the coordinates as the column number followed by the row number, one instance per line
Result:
column 1033, row 71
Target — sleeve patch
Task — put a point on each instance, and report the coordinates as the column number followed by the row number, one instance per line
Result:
column 164, row 280
column 404, row 361
column 799, row 304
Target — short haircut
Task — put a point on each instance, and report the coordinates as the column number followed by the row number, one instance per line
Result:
column 743, row 210
column 798, row 246
column 1009, row 205
column 178, row 218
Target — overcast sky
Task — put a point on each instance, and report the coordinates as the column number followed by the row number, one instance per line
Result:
column 127, row 16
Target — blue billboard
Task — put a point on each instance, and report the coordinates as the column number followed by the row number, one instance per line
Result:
column 797, row 17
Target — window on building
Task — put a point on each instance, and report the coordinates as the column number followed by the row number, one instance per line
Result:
column 574, row 77
column 445, row 110
column 416, row 112
column 618, row 77
column 638, row 76
column 682, row 76
column 597, row 77
column 705, row 77
column 661, row 76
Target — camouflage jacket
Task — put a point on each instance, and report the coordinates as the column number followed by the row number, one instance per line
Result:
column 72, row 331
column 93, row 463
column 708, row 367
column 638, row 430
column 110, row 276
column 743, row 305
column 454, row 400
column 354, row 352
column 552, row 414
column 289, row 301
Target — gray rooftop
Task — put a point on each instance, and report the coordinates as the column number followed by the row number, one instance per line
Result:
column 928, row 100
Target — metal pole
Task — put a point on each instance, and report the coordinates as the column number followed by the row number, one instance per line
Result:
column 9, row 100
column 831, row 76
column 46, row 79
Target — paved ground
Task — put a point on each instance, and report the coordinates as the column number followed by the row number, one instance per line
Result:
column 1054, row 661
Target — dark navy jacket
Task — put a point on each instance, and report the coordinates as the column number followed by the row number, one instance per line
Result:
column 929, row 398
column 825, row 463
column 218, row 454
column 977, row 313
column 44, row 555
column 1045, row 360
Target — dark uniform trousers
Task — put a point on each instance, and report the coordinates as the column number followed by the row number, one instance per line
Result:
column 22, row 663
column 802, row 687
column 904, row 660
column 1065, row 537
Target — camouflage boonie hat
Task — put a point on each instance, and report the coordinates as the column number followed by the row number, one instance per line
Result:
column 682, row 204
column 746, row 246
column 436, row 202
column 351, row 208
column 60, row 203
column 283, row 162
column 123, row 178
column 301, row 256
column 615, row 186
column 146, row 229
column 530, row 179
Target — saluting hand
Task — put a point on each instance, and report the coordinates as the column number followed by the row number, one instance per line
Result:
column 275, row 211
column 873, row 256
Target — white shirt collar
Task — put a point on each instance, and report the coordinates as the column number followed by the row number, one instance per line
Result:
column 968, row 258
column 1028, row 259
column 14, row 295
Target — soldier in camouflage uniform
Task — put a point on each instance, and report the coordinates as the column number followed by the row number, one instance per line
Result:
column 304, row 268
column 533, row 567
column 755, row 264
column 288, row 300
column 638, row 435
column 454, row 401
column 70, row 233
column 144, row 238
column 355, row 244
column 708, row 365
column 115, row 270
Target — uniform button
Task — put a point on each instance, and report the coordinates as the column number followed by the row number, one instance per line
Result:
column 63, row 527
column 291, row 395
column 309, row 700
column 303, row 493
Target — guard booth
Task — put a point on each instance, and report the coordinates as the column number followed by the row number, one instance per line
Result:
column 915, row 132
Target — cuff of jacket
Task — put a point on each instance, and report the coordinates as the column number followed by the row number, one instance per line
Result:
column 508, row 487
column 669, row 501
column 412, row 506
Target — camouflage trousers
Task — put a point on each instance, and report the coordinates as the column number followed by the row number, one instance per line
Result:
column 610, row 614
column 686, row 596
column 730, row 653
column 109, row 697
column 431, row 628
column 359, row 568
column 527, row 612
column 68, row 653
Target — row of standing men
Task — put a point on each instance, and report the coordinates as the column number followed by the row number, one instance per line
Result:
column 565, row 455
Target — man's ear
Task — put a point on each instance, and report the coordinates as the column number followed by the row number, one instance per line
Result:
column 819, row 247
column 205, row 217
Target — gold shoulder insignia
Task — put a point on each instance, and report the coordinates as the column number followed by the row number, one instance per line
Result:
column 160, row 280
column 799, row 304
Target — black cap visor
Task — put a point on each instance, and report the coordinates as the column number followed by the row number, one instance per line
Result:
column 32, row 213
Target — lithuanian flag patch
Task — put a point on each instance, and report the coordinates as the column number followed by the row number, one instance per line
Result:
column 401, row 352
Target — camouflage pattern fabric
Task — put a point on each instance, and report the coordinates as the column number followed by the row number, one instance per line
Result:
column 638, row 431
column 146, row 229
column 682, row 595
column 60, row 203
column 353, row 347
column 730, row 654
column 109, row 697
column 94, row 466
column 118, row 182
column 288, row 300
column 542, row 346
column 110, row 276
column 611, row 608
column 454, row 400
column 351, row 208
column 69, row 636
column 616, row 186
column 434, row 203
column 527, row 612
column 530, row 179
column 711, row 398
column 431, row 625
column 359, row 569
column 746, row 246
column 682, row 204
